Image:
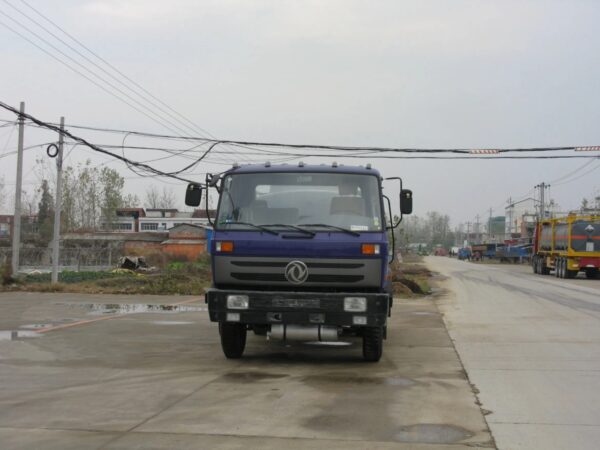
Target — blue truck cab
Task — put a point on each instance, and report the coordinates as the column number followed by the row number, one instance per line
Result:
column 300, row 252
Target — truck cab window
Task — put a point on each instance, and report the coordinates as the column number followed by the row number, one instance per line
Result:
column 343, row 200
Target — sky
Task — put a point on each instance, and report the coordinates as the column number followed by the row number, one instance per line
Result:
column 426, row 74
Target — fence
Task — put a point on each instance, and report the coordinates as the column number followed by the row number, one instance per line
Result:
column 77, row 259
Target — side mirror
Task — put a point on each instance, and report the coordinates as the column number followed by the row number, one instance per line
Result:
column 193, row 195
column 406, row 201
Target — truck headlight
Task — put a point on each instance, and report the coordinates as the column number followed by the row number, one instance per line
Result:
column 237, row 302
column 355, row 304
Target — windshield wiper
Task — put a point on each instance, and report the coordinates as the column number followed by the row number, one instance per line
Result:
column 324, row 225
column 260, row 227
column 293, row 227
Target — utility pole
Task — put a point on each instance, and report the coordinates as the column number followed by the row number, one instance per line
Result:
column 16, row 237
column 477, row 230
column 509, row 221
column 542, row 187
column 57, row 208
column 490, row 227
column 468, row 233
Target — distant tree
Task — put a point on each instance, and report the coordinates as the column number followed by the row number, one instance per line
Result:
column 156, row 199
column 90, row 196
column 152, row 199
column 167, row 198
column 584, row 204
column 131, row 201
column 45, row 212
column 432, row 230
column 111, row 185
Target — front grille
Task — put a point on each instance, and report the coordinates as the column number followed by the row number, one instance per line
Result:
column 279, row 277
column 324, row 273
column 310, row 265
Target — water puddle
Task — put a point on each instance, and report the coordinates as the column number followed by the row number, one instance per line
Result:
column 13, row 335
column 429, row 433
column 362, row 380
column 99, row 309
column 243, row 377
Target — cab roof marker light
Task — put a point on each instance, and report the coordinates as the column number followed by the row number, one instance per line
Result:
column 268, row 164
column 301, row 164
column 334, row 164
column 369, row 166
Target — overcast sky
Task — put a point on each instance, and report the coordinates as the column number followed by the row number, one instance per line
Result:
column 382, row 73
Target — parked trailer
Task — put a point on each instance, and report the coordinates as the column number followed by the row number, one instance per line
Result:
column 567, row 245
column 514, row 253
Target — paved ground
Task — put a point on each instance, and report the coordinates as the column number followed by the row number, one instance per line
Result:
column 87, row 372
column 531, row 345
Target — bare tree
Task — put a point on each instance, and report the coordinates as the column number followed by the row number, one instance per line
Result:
column 167, row 198
column 152, row 200
column 131, row 201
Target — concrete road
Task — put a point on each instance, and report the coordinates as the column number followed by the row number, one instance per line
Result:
column 531, row 346
column 116, row 372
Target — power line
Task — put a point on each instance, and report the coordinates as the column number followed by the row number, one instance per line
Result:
column 94, row 147
column 154, row 104
column 14, row 152
column 578, row 177
column 148, row 113
column 133, row 82
column 321, row 147
column 571, row 173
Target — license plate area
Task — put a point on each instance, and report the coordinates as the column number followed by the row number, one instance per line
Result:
column 309, row 303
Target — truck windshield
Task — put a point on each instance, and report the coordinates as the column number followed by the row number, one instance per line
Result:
column 319, row 201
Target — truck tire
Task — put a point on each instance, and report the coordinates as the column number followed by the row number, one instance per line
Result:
column 544, row 269
column 570, row 273
column 233, row 339
column 372, row 344
column 592, row 274
column 557, row 268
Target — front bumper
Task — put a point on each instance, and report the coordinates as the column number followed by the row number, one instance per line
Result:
column 299, row 308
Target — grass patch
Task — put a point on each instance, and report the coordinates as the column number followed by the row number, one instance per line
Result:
column 411, row 278
column 183, row 278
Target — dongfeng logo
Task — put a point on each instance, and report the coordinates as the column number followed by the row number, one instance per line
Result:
column 296, row 272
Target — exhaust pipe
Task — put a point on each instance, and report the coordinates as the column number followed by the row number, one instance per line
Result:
column 303, row 332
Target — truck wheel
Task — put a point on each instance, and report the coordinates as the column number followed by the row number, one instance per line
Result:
column 372, row 343
column 544, row 269
column 557, row 268
column 570, row 273
column 233, row 339
column 592, row 274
